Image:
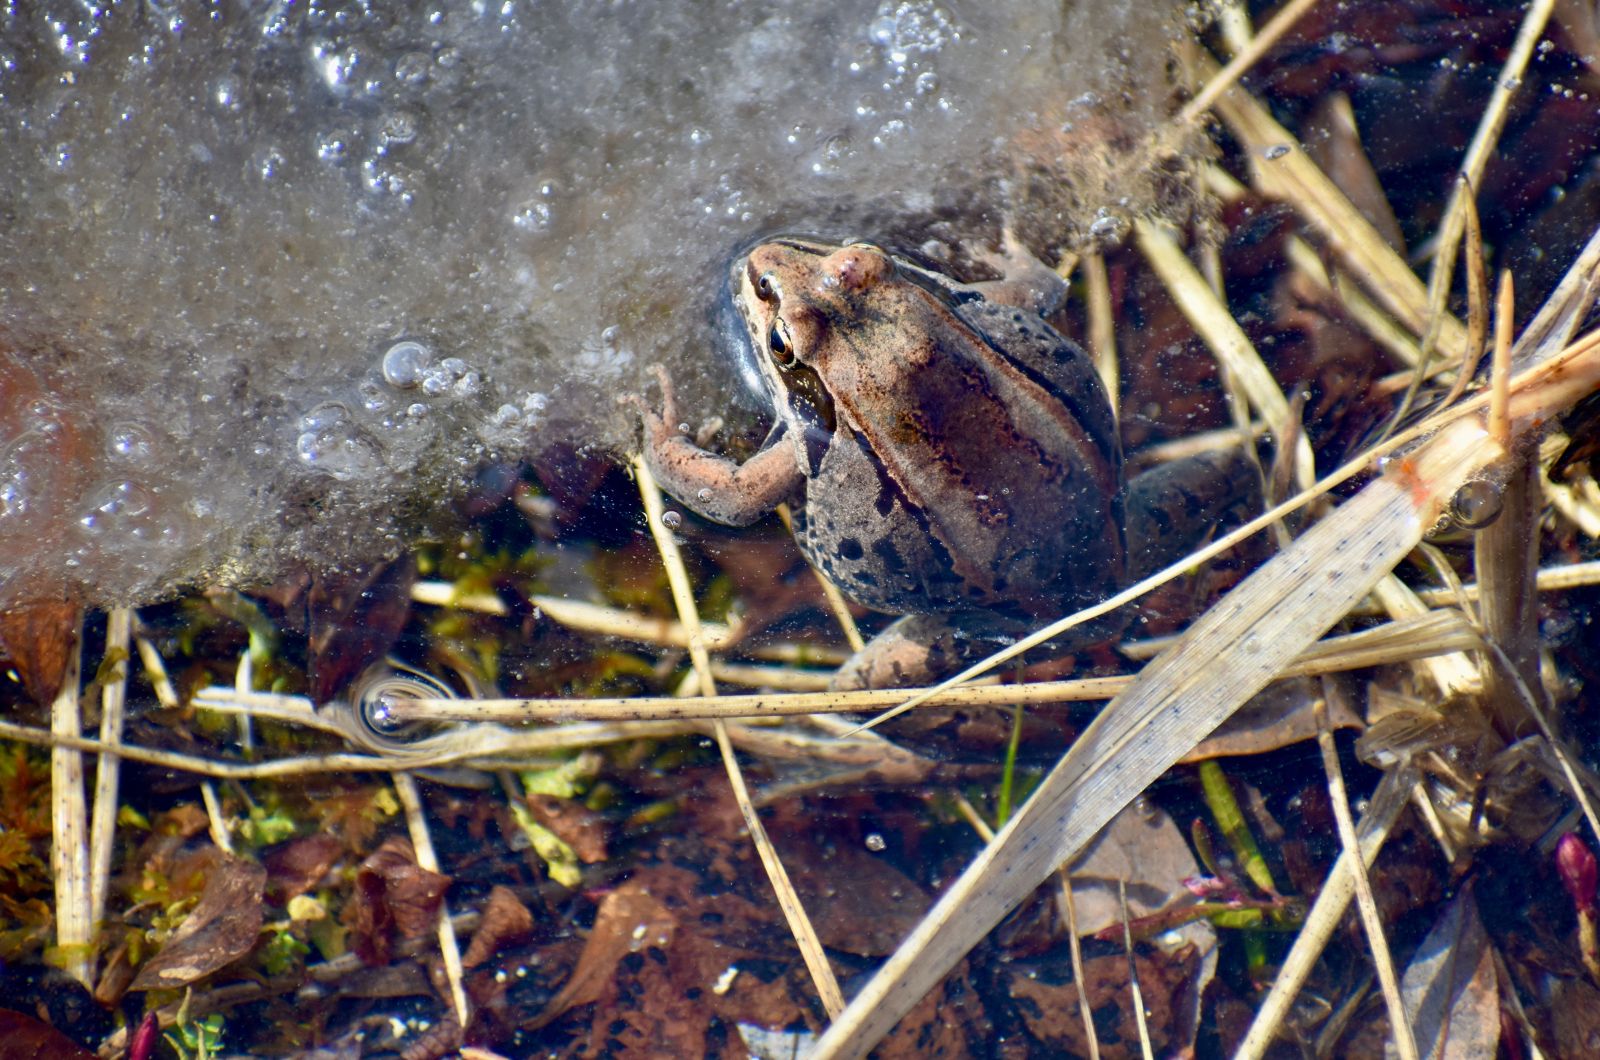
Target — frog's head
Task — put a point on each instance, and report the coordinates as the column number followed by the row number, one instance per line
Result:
column 797, row 295
column 800, row 299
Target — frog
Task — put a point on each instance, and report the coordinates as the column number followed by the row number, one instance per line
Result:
column 946, row 454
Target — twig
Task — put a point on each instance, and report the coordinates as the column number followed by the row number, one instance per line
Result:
column 103, row 823
column 1327, row 911
column 1371, row 920
column 805, row 935
column 422, row 844
column 69, row 849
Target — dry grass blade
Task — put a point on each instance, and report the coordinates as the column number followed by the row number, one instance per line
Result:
column 794, row 913
column 1227, row 342
column 1373, row 320
column 1490, row 124
column 216, row 820
column 1328, row 910
column 422, row 843
column 609, row 621
column 1371, row 920
column 1452, row 674
column 1427, row 634
column 69, row 842
column 1102, row 327
column 444, row 594
column 1294, row 178
column 837, row 606
column 1075, row 947
column 1248, row 56
column 103, row 823
column 69, row 850
column 156, row 673
column 1227, row 656
column 1140, row 1018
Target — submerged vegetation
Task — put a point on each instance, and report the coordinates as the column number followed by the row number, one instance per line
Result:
column 485, row 798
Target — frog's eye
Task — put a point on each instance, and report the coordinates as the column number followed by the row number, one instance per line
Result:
column 764, row 288
column 778, row 342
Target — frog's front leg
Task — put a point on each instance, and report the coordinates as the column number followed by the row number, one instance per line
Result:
column 709, row 485
column 1026, row 282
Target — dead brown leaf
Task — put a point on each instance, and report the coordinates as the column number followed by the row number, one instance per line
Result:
column 505, row 920
column 630, row 920
column 858, row 902
column 949, row 1022
column 393, row 893
column 1279, row 715
column 575, row 824
column 217, row 932
column 39, row 638
column 354, row 620
column 25, row 1038
column 295, row 867
column 1049, row 1005
column 1451, row 989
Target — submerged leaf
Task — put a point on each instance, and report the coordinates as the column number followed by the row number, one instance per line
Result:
column 393, row 893
column 25, row 1038
column 217, row 932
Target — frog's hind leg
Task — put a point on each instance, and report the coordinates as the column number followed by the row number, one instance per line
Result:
column 1172, row 509
column 921, row 649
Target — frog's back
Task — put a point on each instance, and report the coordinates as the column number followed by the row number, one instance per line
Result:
column 993, row 485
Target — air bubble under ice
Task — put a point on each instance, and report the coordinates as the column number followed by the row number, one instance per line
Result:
column 271, row 272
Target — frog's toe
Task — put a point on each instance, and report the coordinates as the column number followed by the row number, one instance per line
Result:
column 669, row 397
column 921, row 649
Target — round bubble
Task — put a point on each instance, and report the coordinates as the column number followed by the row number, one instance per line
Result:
column 532, row 216
column 330, row 443
column 331, row 147
column 412, row 67
column 405, row 363
column 1109, row 227
column 226, row 92
column 326, row 416
column 131, row 443
column 115, row 508
column 373, row 396
column 398, row 127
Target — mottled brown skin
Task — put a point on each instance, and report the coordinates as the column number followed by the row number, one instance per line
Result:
column 944, row 450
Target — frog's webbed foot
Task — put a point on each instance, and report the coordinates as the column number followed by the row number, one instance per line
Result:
column 1026, row 282
column 921, row 649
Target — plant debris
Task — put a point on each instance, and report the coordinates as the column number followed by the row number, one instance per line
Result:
column 481, row 799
